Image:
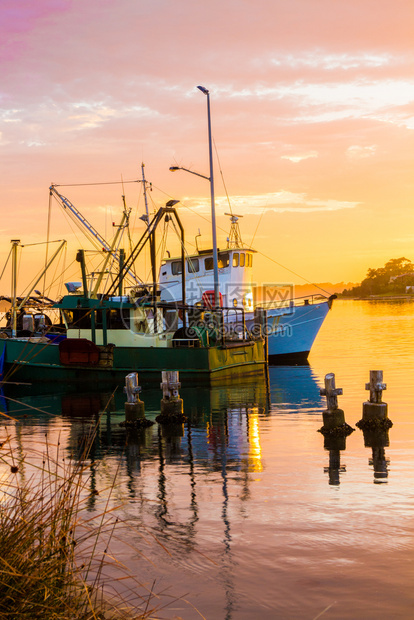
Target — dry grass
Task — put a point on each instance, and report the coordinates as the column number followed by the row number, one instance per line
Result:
column 51, row 556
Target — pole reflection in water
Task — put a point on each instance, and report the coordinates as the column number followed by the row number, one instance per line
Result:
column 194, row 506
column 227, row 561
column 378, row 440
column 334, row 445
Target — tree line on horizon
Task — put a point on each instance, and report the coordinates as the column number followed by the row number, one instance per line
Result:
column 393, row 278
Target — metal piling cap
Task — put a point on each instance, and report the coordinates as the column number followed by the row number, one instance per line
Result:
column 375, row 386
column 331, row 391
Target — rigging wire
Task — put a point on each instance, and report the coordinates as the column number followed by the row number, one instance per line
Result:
column 287, row 269
column 222, row 177
column 250, row 247
column 91, row 184
column 63, row 271
column 31, row 284
column 258, row 224
column 60, row 285
column 188, row 262
column 7, row 260
column 55, row 272
column 30, row 245
column 49, row 218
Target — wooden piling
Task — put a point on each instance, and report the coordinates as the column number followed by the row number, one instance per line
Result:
column 171, row 404
column 333, row 417
column 375, row 408
column 374, row 411
column 134, row 407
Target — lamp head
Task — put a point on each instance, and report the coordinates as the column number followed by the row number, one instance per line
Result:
column 203, row 90
column 173, row 168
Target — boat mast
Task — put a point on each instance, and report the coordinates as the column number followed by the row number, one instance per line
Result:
column 144, row 183
column 145, row 218
column 213, row 208
column 15, row 245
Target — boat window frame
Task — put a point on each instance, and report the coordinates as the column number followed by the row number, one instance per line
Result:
column 176, row 268
column 207, row 262
column 222, row 264
column 195, row 265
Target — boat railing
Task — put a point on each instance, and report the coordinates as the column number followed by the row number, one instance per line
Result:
column 305, row 300
column 207, row 325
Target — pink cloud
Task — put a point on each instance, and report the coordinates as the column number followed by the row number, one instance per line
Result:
column 19, row 18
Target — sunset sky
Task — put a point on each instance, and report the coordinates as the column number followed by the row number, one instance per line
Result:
column 312, row 111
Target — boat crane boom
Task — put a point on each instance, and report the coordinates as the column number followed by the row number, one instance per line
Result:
column 66, row 204
column 114, row 252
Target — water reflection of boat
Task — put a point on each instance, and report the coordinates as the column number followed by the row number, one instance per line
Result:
column 289, row 388
column 212, row 412
column 294, row 387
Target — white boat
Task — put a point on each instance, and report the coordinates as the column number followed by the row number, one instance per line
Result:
column 292, row 325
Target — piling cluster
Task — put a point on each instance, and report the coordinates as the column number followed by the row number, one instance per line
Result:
column 171, row 405
column 374, row 424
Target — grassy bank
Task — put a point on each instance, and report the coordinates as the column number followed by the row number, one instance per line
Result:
column 53, row 553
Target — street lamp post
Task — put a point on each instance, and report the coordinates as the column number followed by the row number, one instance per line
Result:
column 213, row 207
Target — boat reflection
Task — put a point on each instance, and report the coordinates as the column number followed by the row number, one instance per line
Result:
column 294, row 388
column 222, row 421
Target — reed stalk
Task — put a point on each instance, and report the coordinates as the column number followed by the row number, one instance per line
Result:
column 51, row 562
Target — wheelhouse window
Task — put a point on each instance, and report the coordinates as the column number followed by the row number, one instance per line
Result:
column 193, row 265
column 78, row 319
column 176, row 268
column 242, row 257
column 81, row 319
column 118, row 318
column 236, row 259
column 208, row 263
column 223, row 260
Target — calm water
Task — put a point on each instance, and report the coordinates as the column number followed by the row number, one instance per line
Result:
column 244, row 513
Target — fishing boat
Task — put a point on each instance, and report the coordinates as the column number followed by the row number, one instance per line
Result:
column 291, row 324
column 101, row 337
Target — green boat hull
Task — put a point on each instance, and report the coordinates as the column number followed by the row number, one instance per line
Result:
column 25, row 361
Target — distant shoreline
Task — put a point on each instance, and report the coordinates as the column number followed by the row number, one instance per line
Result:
column 401, row 297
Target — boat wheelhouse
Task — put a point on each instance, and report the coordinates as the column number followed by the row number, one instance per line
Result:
column 292, row 324
column 235, row 274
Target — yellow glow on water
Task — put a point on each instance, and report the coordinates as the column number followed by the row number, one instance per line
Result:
column 255, row 450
